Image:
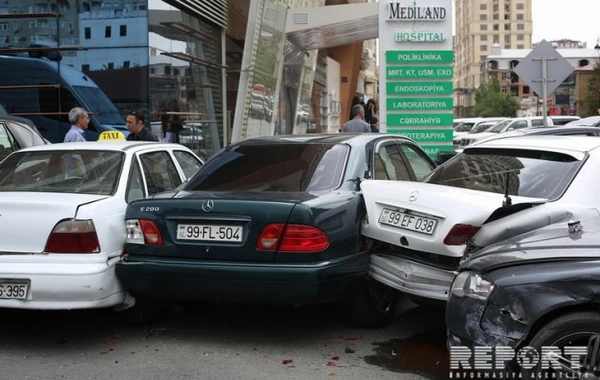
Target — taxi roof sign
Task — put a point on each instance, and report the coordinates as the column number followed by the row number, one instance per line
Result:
column 111, row 135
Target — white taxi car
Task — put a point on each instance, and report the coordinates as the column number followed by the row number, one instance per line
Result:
column 62, row 220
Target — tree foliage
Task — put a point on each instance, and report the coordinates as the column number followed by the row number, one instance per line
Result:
column 592, row 100
column 491, row 102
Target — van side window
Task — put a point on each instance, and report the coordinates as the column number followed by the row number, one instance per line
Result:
column 49, row 100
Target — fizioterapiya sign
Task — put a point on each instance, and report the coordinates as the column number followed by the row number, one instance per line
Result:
column 416, row 57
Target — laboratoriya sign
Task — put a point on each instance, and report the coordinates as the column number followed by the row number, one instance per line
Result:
column 417, row 71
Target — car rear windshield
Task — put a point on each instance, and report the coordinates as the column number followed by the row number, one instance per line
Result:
column 76, row 172
column 293, row 167
column 528, row 173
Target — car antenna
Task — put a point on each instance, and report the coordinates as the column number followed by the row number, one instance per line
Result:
column 507, row 200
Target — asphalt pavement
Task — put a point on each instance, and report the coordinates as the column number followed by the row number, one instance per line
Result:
column 226, row 341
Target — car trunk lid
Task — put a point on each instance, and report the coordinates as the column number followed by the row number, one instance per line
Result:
column 419, row 216
column 222, row 226
column 27, row 219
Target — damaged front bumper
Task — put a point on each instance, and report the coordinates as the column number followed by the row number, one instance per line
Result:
column 411, row 277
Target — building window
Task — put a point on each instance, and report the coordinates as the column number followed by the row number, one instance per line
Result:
column 520, row 37
column 88, row 33
column 482, row 17
column 126, row 64
column 520, row 6
column 506, row 26
column 496, row 17
column 526, row 90
column 107, row 32
column 483, row 37
column 152, row 70
column 483, row 47
column 520, row 46
column 482, row 7
column 496, row 27
column 520, row 16
column 520, row 26
column 85, row 67
column 496, row 38
column 483, row 27
column 3, row 26
column 123, row 30
column 507, row 38
column 111, row 66
column 167, row 70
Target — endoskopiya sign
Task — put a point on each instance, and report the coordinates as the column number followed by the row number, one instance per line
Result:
column 397, row 11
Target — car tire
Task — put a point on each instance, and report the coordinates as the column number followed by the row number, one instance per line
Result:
column 372, row 304
column 570, row 329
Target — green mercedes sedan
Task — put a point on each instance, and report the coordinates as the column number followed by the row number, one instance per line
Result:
column 269, row 220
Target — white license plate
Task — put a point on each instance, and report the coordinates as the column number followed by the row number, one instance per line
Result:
column 209, row 232
column 9, row 290
column 408, row 221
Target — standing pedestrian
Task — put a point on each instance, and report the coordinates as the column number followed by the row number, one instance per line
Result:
column 374, row 124
column 137, row 130
column 79, row 119
column 357, row 124
column 370, row 111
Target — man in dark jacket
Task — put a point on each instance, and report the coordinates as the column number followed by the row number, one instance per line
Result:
column 137, row 130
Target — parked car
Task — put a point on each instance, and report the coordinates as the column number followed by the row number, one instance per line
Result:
column 563, row 119
column 466, row 127
column 592, row 121
column 539, row 289
column 270, row 219
column 63, row 224
column 546, row 131
column 487, row 193
column 505, row 126
column 17, row 133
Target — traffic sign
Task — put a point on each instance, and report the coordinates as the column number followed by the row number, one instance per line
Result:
column 530, row 69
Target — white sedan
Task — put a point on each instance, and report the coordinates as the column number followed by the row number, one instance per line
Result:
column 486, row 194
column 62, row 225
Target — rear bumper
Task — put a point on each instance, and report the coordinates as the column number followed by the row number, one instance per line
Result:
column 63, row 286
column 290, row 283
column 411, row 277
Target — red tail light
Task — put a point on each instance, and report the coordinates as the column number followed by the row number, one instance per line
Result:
column 460, row 234
column 292, row 238
column 151, row 232
column 73, row 236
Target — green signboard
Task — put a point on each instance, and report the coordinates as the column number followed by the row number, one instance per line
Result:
column 405, row 120
column 419, row 56
column 432, row 150
column 419, row 72
column 420, row 104
column 425, row 135
column 419, row 88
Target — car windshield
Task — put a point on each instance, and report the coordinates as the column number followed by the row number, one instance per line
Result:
column 78, row 172
column 499, row 127
column 464, row 127
column 293, row 167
column 481, row 127
column 101, row 106
column 528, row 173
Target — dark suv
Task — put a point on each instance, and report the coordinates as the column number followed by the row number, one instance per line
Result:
column 534, row 291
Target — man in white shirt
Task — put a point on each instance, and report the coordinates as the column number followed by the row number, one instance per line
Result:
column 79, row 119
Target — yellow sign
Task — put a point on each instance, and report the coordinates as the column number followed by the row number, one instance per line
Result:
column 111, row 135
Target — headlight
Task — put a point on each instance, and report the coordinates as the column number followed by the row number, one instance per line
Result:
column 469, row 284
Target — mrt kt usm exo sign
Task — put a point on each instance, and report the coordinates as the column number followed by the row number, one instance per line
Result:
column 416, row 71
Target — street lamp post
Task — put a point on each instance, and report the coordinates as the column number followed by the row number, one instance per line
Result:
column 596, row 68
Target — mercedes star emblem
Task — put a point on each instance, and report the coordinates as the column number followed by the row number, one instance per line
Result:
column 208, row 205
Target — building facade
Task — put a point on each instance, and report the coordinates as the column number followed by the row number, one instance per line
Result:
column 501, row 62
column 220, row 70
column 479, row 25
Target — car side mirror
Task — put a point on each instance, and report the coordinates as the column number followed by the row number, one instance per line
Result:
column 443, row 156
